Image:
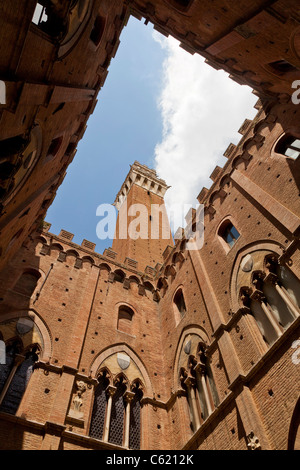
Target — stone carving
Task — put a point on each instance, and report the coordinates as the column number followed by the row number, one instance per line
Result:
column 253, row 442
column 76, row 412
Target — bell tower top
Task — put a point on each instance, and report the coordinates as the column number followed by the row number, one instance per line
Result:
column 144, row 177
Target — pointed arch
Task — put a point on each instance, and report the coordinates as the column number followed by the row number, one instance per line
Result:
column 267, row 246
column 191, row 330
column 123, row 348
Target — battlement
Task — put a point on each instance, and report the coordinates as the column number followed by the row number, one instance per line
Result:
column 144, row 177
column 64, row 239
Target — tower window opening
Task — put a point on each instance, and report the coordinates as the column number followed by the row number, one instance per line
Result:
column 97, row 31
column 125, row 317
column 182, row 5
column 180, row 303
column 289, row 146
column 229, row 233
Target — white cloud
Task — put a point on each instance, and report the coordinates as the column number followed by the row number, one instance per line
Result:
column 202, row 110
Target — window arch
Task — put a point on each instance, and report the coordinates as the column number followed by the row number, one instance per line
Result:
column 119, row 276
column 289, row 146
column 125, row 317
column 229, row 234
column 97, row 30
column 179, row 305
column 182, row 5
column 116, row 415
column 27, row 282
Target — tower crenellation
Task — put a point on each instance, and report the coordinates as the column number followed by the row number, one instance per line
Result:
column 143, row 177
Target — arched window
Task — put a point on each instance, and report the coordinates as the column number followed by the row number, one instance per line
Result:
column 27, row 283
column 273, row 300
column 15, row 375
column 116, row 415
column 125, row 317
column 54, row 148
column 228, row 233
column 97, row 31
column 119, row 276
column 49, row 16
column 289, row 146
column 200, row 387
column 182, row 5
column 179, row 304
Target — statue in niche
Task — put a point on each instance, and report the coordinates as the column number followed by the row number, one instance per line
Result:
column 76, row 412
column 253, row 442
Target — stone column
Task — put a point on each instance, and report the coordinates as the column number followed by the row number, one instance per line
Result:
column 285, row 297
column 200, row 374
column 128, row 399
column 190, row 382
column 111, row 391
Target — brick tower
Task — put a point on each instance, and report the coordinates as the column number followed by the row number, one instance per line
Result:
column 142, row 231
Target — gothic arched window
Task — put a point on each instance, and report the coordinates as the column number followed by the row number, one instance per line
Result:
column 289, row 146
column 198, row 382
column 116, row 415
column 273, row 300
column 15, row 375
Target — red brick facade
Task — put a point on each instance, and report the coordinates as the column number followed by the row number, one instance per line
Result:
column 203, row 344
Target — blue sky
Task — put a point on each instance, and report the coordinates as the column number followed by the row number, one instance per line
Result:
column 161, row 106
column 124, row 127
